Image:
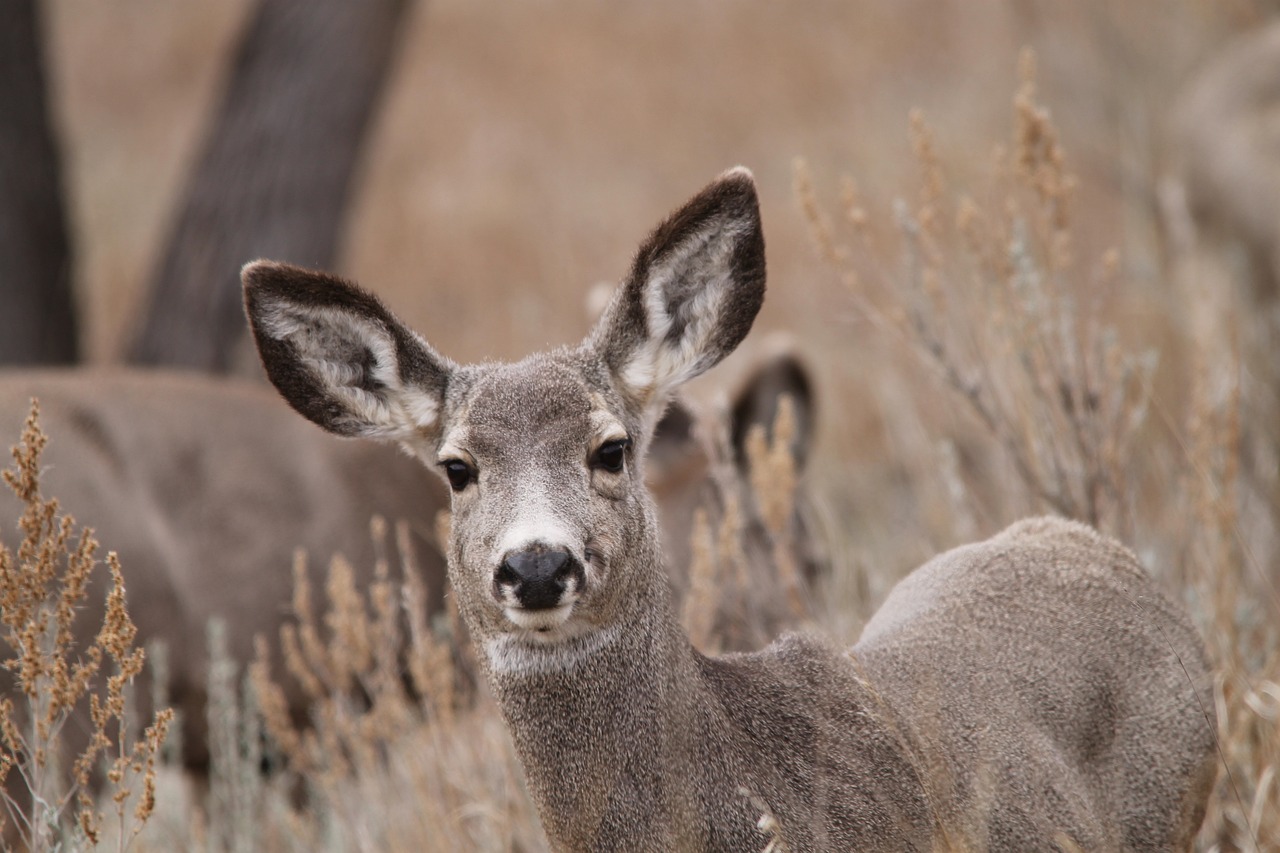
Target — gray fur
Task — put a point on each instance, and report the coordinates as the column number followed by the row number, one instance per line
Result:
column 1052, row 687
column 1033, row 685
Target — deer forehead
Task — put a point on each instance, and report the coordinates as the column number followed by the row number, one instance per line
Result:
column 541, row 407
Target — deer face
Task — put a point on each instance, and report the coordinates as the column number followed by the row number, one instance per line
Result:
column 553, row 541
column 552, row 530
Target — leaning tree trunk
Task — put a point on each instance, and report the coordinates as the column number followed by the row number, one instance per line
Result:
column 276, row 171
column 37, row 318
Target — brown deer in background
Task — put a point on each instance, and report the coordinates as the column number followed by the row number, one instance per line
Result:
column 1033, row 690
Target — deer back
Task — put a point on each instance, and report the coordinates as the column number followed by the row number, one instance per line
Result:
column 1049, row 686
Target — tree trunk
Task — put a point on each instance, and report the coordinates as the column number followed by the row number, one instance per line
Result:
column 37, row 318
column 275, row 175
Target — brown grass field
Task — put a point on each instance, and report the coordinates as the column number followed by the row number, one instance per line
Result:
column 975, row 267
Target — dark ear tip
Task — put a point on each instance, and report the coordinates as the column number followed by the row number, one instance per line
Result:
column 739, row 175
column 782, row 371
column 266, row 281
column 267, row 274
column 257, row 270
column 261, row 279
column 737, row 181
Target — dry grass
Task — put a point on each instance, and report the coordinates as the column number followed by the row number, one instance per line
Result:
column 990, row 301
column 992, row 304
column 396, row 755
column 62, row 685
column 745, row 583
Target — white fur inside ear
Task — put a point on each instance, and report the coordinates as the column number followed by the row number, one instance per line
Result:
column 701, row 268
column 354, row 361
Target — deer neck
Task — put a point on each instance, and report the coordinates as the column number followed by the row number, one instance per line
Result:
column 595, row 726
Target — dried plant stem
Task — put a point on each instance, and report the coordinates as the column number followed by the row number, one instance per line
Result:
column 42, row 588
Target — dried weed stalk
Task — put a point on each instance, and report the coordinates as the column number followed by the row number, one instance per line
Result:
column 371, row 683
column 701, row 603
column 989, row 300
column 49, row 803
column 1244, row 813
column 774, row 485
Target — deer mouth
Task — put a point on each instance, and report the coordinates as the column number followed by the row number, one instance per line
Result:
column 529, row 653
column 542, row 621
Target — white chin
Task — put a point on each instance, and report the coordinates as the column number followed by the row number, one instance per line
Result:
column 539, row 620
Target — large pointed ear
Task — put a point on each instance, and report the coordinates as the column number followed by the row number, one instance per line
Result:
column 694, row 290
column 339, row 357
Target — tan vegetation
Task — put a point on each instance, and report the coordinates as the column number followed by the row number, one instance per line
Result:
column 994, row 308
column 66, row 720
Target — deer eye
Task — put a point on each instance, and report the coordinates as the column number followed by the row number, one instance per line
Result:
column 459, row 474
column 611, row 455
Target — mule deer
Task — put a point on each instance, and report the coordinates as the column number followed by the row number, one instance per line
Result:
column 1032, row 688
column 206, row 486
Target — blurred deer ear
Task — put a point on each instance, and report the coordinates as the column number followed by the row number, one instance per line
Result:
column 759, row 401
column 694, row 290
column 339, row 357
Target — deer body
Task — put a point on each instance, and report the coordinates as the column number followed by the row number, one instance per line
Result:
column 1052, row 688
column 630, row 738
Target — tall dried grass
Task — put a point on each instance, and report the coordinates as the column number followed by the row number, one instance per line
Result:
column 48, row 768
column 990, row 301
column 745, row 583
column 397, row 752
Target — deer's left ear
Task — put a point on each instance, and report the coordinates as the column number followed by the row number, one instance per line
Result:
column 694, row 290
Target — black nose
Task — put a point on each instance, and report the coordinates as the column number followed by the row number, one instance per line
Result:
column 538, row 576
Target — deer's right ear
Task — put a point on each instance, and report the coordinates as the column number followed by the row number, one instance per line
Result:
column 339, row 357
column 694, row 290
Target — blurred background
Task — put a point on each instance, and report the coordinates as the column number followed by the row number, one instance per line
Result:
column 519, row 152
column 516, row 154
